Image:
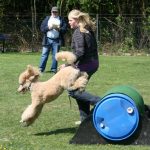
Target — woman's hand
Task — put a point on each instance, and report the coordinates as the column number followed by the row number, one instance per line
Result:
column 61, row 66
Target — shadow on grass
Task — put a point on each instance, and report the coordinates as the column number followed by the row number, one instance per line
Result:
column 58, row 131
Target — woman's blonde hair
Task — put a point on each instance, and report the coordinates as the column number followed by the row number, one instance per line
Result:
column 84, row 20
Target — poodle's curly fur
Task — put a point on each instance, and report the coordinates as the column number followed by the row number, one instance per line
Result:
column 68, row 78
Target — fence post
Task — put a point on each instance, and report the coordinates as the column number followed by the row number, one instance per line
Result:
column 97, row 31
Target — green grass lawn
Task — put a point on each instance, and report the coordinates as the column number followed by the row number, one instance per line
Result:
column 55, row 126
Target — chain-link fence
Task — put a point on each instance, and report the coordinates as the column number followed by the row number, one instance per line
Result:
column 123, row 34
column 115, row 33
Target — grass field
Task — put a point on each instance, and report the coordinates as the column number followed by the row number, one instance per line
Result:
column 55, row 126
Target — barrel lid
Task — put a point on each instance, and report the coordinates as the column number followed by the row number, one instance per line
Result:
column 116, row 117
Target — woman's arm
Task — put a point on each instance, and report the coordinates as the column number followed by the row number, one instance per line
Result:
column 78, row 44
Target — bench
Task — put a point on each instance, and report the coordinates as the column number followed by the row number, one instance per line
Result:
column 4, row 38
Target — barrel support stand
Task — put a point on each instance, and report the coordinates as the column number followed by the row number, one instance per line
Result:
column 87, row 134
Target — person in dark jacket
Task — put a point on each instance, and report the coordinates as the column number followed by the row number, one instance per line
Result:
column 53, row 27
column 84, row 46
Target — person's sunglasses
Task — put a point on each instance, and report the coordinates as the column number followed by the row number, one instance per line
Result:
column 54, row 12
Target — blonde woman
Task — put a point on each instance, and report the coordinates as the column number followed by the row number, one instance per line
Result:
column 84, row 46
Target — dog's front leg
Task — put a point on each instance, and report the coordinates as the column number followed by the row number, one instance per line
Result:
column 31, row 113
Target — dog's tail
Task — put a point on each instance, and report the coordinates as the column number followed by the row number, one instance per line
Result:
column 67, row 56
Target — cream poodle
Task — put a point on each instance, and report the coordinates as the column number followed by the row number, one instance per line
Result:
column 69, row 78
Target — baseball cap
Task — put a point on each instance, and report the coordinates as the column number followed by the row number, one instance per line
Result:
column 55, row 9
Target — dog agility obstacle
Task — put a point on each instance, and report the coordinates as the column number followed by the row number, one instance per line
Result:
column 120, row 117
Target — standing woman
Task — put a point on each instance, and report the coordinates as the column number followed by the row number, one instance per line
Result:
column 84, row 46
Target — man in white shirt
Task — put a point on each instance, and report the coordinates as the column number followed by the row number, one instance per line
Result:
column 53, row 27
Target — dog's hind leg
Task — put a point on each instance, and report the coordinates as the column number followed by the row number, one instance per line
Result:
column 80, row 83
column 30, row 114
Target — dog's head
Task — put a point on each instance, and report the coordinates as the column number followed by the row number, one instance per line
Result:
column 30, row 75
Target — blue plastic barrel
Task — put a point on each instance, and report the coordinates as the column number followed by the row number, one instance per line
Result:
column 116, row 116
